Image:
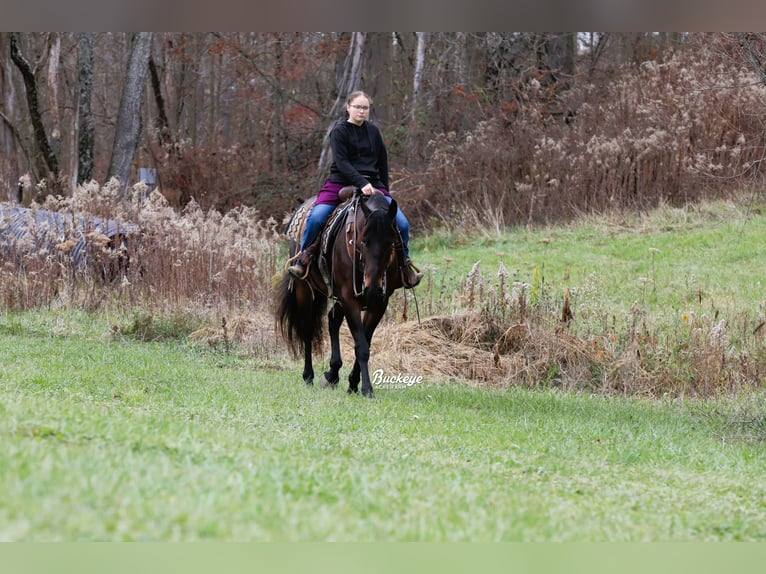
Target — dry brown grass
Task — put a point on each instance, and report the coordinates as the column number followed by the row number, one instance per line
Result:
column 193, row 261
column 250, row 335
column 669, row 132
column 477, row 348
column 207, row 278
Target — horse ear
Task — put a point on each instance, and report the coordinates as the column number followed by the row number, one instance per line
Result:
column 392, row 209
column 365, row 209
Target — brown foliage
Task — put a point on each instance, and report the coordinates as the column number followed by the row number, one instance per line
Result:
column 501, row 348
column 198, row 260
column 671, row 132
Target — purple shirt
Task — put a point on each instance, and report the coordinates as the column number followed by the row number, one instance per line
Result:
column 328, row 195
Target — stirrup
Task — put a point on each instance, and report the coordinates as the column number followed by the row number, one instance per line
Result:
column 411, row 275
column 299, row 269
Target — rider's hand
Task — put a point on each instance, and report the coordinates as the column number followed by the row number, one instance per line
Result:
column 368, row 189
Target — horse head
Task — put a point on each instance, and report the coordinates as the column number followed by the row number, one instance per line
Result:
column 377, row 243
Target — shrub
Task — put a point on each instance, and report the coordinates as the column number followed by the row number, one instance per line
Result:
column 669, row 132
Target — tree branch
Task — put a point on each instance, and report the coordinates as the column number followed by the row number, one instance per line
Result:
column 753, row 56
column 30, row 85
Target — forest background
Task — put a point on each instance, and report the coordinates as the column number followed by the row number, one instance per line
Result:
column 495, row 128
column 497, row 133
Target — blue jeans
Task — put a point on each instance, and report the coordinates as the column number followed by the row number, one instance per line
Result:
column 320, row 213
column 404, row 228
column 318, row 216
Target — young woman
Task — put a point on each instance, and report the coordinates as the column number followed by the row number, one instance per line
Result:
column 359, row 159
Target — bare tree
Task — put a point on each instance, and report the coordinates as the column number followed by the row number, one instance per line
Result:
column 54, row 56
column 129, row 116
column 162, row 124
column 377, row 80
column 562, row 50
column 596, row 44
column 417, row 84
column 753, row 47
column 417, row 80
column 9, row 133
column 349, row 80
column 85, row 123
column 47, row 164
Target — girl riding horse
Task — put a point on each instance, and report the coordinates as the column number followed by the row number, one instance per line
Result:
column 360, row 159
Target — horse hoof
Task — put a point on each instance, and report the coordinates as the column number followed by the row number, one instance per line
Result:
column 369, row 394
column 352, row 391
column 309, row 382
column 325, row 383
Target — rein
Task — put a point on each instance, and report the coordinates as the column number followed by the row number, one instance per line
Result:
column 357, row 290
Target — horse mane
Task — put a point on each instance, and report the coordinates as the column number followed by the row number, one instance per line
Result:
column 377, row 223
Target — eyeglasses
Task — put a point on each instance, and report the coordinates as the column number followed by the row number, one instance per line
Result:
column 360, row 108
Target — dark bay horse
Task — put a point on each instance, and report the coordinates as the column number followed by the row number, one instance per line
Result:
column 362, row 273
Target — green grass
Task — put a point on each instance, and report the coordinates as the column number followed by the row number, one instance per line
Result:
column 110, row 434
column 705, row 259
column 673, row 297
column 122, row 440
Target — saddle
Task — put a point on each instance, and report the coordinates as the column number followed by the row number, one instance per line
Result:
column 297, row 223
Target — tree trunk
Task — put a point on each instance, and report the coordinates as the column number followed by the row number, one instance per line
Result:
column 348, row 81
column 8, row 132
column 378, row 83
column 417, row 77
column 54, row 55
column 417, row 83
column 129, row 117
column 47, row 161
column 85, row 122
column 562, row 49
column 163, row 127
column 753, row 55
column 277, row 127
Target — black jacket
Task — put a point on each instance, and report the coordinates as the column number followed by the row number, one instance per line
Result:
column 359, row 155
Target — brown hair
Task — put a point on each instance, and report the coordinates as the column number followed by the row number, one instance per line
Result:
column 354, row 95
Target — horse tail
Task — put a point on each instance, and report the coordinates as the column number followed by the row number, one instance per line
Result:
column 300, row 313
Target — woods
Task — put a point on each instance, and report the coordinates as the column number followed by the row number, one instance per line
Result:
column 583, row 360
column 523, row 127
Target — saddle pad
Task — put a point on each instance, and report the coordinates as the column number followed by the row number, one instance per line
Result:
column 297, row 223
column 330, row 231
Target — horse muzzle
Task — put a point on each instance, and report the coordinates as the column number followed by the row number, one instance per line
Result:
column 372, row 293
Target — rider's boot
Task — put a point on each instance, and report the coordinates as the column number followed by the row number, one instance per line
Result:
column 299, row 269
column 411, row 276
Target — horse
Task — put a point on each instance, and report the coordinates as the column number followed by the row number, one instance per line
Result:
column 360, row 274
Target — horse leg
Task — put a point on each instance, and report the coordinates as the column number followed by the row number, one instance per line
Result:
column 353, row 378
column 308, row 367
column 334, row 321
column 305, row 313
column 372, row 318
column 361, row 351
column 361, row 365
column 355, row 374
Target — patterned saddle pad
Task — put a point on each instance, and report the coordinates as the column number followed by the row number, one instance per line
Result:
column 297, row 224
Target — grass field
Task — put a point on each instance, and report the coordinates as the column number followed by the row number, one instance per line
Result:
column 121, row 440
column 706, row 258
column 108, row 437
column 666, row 302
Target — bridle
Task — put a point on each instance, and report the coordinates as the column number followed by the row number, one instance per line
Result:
column 358, row 254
